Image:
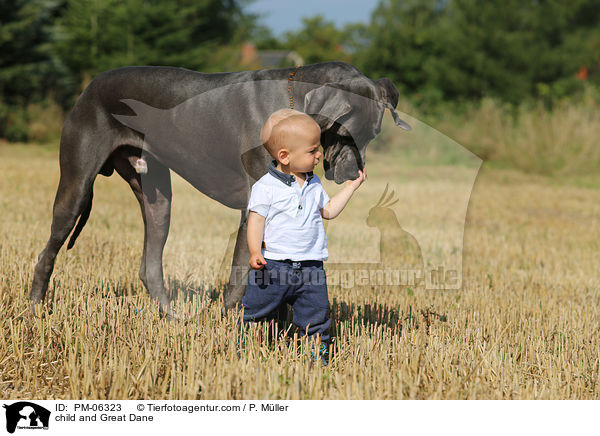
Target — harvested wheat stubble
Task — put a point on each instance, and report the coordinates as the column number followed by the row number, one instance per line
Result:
column 525, row 324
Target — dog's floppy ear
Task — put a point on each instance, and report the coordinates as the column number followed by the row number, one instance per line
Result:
column 390, row 97
column 326, row 105
column 333, row 102
column 355, row 104
column 389, row 93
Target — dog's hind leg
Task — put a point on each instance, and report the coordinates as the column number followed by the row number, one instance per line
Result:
column 73, row 199
column 153, row 191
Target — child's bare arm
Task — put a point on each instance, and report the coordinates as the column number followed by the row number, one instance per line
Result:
column 338, row 201
column 256, row 226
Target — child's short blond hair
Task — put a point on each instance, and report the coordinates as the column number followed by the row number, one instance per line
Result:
column 279, row 125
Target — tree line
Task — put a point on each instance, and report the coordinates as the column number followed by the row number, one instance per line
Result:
column 435, row 51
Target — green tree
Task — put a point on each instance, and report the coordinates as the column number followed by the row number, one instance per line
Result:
column 28, row 73
column 93, row 36
column 317, row 41
column 401, row 39
column 27, row 70
column 485, row 49
column 467, row 49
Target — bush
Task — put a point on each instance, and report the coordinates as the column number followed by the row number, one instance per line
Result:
column 44, row 121
column 37, row 122
column 13, row 123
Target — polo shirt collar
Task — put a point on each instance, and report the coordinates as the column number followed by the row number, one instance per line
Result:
column 288, row 179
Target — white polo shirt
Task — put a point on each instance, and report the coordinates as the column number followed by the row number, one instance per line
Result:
column 293, row 224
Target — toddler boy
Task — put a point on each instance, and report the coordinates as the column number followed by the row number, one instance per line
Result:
column 286, row 209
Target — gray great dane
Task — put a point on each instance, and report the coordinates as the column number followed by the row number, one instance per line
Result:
column 206, row 128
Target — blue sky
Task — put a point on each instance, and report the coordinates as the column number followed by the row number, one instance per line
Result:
column 282, row 15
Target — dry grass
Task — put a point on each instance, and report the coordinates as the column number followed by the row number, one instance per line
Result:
column 525, row 324
column 558, row 142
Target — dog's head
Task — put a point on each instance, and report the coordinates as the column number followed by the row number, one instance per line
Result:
column 350, row 113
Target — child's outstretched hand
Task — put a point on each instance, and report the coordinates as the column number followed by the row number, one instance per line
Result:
column 354, row 184
column 257, row 261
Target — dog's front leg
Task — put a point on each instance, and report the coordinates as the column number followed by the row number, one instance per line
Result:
column 240, row 268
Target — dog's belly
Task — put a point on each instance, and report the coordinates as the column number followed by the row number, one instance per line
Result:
column 220, row 177
column 203, row 137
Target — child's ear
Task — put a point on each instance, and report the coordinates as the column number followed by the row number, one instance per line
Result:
column 283, row 156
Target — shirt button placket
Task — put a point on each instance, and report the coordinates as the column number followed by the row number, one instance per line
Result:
column 302, row 194
column 298, row 193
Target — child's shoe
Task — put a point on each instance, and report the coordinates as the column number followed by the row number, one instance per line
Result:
column 322, row 354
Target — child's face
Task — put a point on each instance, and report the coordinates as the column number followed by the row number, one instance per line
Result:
column 303, row 149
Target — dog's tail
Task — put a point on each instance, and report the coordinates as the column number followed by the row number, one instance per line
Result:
column 82, row 220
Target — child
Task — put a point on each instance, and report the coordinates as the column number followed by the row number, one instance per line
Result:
column 286, row 208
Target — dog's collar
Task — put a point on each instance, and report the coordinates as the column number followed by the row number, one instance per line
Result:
column 288, row 179
column 290, row 79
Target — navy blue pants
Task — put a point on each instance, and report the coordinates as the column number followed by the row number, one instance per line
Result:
column 301, row 284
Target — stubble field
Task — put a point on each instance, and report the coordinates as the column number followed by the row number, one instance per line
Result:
column 524, row 325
